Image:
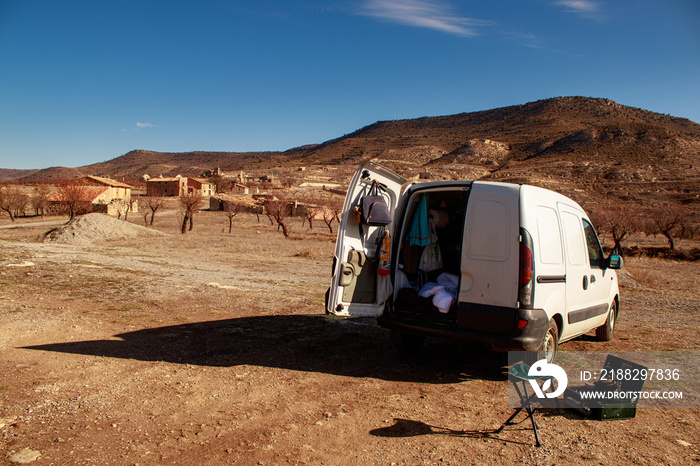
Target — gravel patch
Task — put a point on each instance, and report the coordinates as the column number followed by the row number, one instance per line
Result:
column 96, row 228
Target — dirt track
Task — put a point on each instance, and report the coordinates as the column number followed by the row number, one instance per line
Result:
column 210, row 348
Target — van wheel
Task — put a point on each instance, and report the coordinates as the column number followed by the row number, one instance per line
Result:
column 605, row 331
column 548, row 348
column 405, row 342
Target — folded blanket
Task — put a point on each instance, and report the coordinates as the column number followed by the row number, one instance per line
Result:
column 444, row 292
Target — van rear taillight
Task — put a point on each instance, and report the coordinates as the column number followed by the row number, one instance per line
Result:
column 525, row 265
column 526, row 271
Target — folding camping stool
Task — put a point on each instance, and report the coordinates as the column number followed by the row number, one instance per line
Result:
column 518, row 374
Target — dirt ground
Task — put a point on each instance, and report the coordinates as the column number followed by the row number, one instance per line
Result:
column 213, row 348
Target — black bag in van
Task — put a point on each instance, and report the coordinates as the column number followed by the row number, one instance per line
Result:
column 373, row 208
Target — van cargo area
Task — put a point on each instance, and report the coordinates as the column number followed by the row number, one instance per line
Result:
column 424, row 262
column 430, row 267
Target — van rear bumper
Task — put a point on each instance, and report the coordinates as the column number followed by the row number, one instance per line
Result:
column 528, row 338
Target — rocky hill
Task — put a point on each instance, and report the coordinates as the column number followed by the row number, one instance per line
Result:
column 571, row 144
column 569, row 128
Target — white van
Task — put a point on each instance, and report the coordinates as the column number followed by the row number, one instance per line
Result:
column 506, row 266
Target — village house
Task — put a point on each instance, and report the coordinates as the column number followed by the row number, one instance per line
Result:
column 239, row 188
column 114, row 189
column 103, row 195
column 215, row 172
column 205, row 187
column 165, row 187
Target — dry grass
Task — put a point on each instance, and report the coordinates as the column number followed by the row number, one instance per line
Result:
column 663, row 274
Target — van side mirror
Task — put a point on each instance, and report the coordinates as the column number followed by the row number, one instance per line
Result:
column 614, row 261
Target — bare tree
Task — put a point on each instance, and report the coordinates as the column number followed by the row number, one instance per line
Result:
column 8, row 200
column 154, row 203
column 191, row 203
column 309, row 211
column 619, row 222
column 668, row 221
column 278, row 210
column 257, row 210
column 40, row 199
column 123, row 208
column 76, row 196
column 13, row 201
column 232, row 209
column 21, row 203
column 331, row 211
column 688, row 226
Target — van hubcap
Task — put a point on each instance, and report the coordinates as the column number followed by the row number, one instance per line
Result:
column 549, row 347
column 612, row 318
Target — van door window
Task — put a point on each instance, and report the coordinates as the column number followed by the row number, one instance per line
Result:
column 574, row 239
column 595, row 252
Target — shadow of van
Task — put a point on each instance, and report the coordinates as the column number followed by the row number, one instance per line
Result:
column 307, row 343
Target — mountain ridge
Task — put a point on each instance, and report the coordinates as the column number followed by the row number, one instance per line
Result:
column 559, row 130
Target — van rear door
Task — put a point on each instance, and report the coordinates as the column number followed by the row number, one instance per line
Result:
column 490, row 250
column 354, row 281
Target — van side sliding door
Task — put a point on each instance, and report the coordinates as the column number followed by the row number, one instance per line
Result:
column 586, row 291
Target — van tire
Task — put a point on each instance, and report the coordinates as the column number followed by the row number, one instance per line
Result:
column 605, row 332
column 406, row 343
column 548, row 348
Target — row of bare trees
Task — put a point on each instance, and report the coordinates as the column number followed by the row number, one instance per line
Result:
column 279, row 211
column 670, row 221
column 74, row 195
column 190, row 202
column 308, row 209
column 327, row 210
column 15, row 201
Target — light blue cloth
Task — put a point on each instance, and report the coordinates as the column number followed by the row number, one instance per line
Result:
column 420, row 233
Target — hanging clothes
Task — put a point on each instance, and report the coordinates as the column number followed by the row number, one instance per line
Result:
column 419, row 235
column 431, row 259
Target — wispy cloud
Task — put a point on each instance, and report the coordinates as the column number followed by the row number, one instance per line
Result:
column 525, row 39
column 422, row 13
column 144, row 125
column 583, row 7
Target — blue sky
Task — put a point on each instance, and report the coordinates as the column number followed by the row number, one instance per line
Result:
column 87, row 81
